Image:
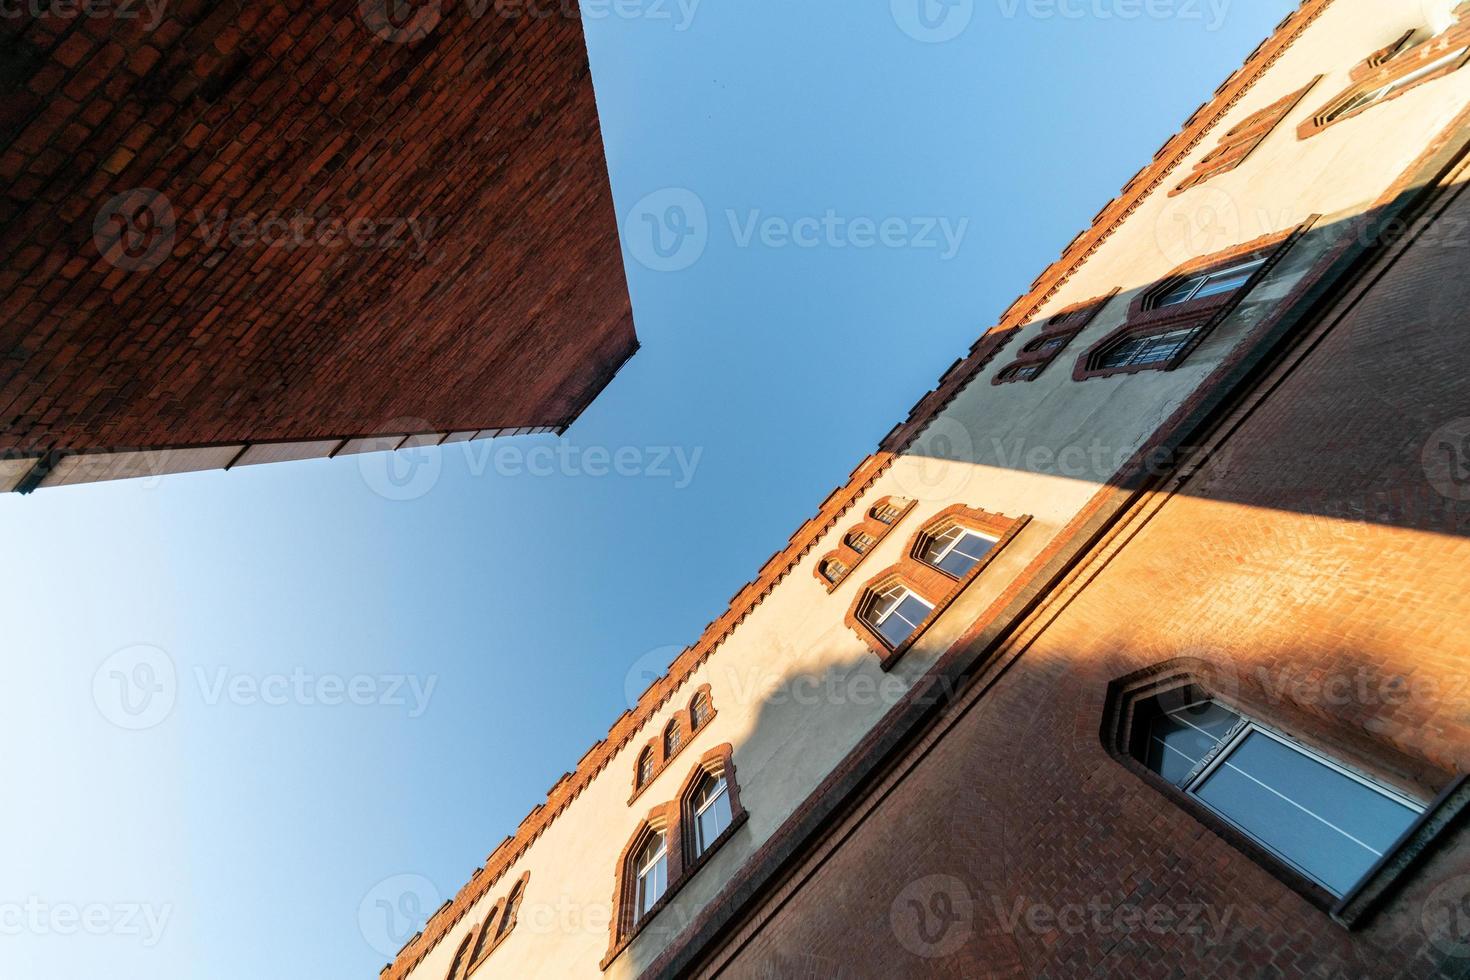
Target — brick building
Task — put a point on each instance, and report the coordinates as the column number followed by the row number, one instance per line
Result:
column 1138, row 649
column 241, row 233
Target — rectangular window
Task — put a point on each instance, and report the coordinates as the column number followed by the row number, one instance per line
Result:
column 1378, row 95
column 1326, row 822
column 957, row 550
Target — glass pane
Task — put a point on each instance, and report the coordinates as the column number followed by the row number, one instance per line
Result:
column 714, row 818
column 895, row 630
column 912, row 609
column 880, row 605
column 1180, row 739
column 1180, row 293
column 1326, row 823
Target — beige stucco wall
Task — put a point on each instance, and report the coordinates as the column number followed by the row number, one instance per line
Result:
column 1010, row 443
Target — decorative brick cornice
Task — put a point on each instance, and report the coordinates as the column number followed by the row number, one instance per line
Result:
column 841, row 500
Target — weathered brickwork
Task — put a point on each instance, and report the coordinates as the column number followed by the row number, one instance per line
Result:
column 338, row 229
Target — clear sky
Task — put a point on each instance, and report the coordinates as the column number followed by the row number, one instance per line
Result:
column 366, row 687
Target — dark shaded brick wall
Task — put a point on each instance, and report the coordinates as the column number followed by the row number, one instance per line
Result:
column 205, row 237
column 1318, row 565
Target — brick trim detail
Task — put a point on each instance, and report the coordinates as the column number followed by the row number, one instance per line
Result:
column 675, row 821
column 1388, row 65
column 1036, row 355
column 1241, row 141
column 481, row 942
column 935, row 587
column 684, row 720
column 849, row 556
column 1144, row 320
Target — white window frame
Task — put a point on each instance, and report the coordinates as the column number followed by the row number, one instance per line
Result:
column 700, row 844
column 642, row 901
column 1159, row 348
column 964, row 532
column 1233, row 739
column 905, row 592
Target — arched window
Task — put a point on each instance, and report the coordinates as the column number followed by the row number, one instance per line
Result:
column 673, row 739
column 895, row 612
column 833, row 570
column 700, row 711
column 710, row 808
column 1324, row 821
column 860, row 541
column 512, row 906
column 887, row 511
column 645, row 767
column 461, row 962
column 956, row 550
column 651, row 868
column 1217, row 282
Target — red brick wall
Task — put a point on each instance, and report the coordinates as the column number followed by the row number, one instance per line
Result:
column 1326, row 544
column 484, row 131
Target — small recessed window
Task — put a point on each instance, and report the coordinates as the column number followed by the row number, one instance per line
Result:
column 1367, row 98
column 712, row 814
column 1328, row 823
column 861, row 541
column 652, row 864
column 512, row 906
column 895, row 613
column 1151, row 349
column 673, row 739
column 699, row 711
column 887, row 513
column 833, row 570
column 956, row 550
column 1205, row 284
column 645, row 767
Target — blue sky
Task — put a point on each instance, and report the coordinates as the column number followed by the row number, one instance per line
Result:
column 490, row 624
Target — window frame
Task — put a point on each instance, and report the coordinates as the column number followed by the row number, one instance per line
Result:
column 1143, row 696
column 700, row 844
column 1392, row 71
column 643, row 907
column 847, row 556
column 906, row 592
column 1245, row 726
column 965, row 531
